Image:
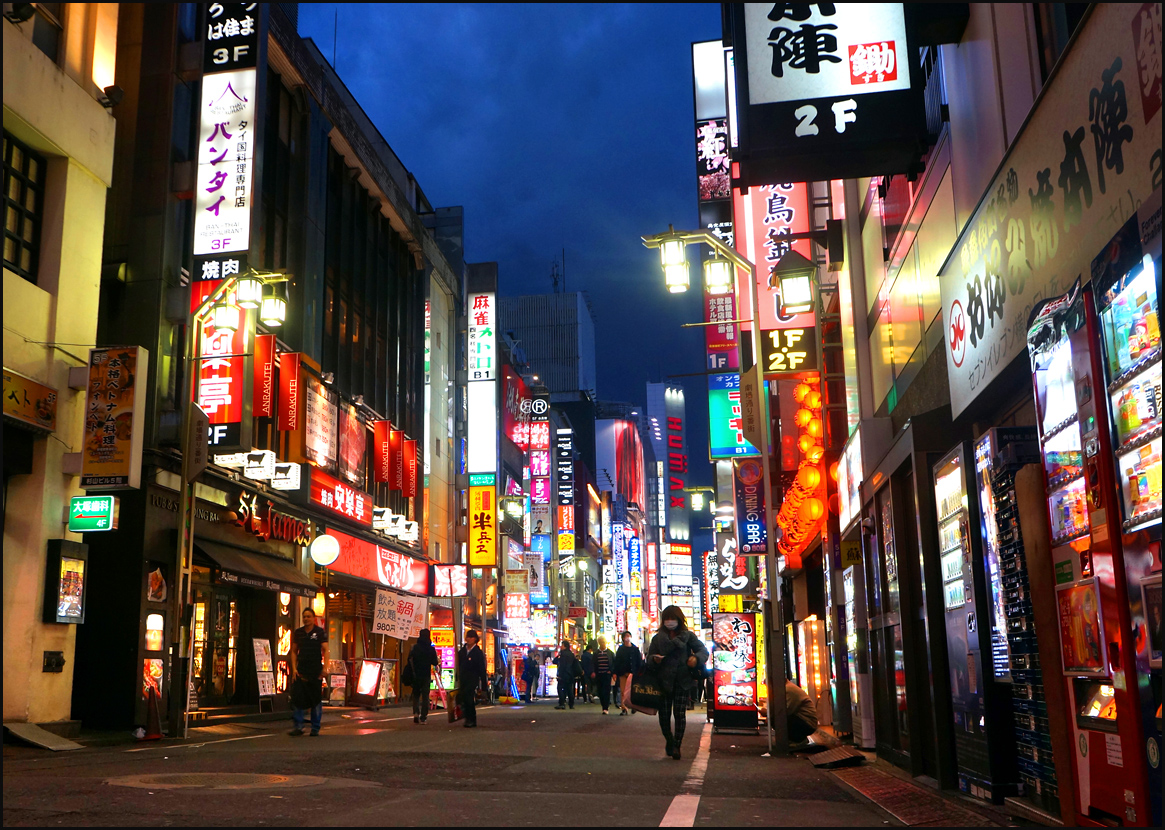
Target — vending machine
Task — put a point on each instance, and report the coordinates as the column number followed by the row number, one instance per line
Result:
column 1099, row 657
column 1125, row 279
column 984, row 734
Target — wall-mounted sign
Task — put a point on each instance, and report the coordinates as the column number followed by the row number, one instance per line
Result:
column 483, row 541
column 376, row 563
column 115, row 404
column 564, row 465
column 482, row 318
column 725, row 429
column 263, row 391
column 450, row 580
column 763, row 219
column 825, row 91
column 340, row 499
column 90, row 514
column 482, row 428
column 731, row 567
column 321, row 441
column 29, row 403
column 790, row 352
column 409, row 468
column 1058, row 197
column 287, row 476
column 223, row 382
column 517, row 606
column 289, row 394
column 748, row 490
column 66, row 582
column 260, row 465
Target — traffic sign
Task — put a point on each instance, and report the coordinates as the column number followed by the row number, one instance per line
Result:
column 89, row 514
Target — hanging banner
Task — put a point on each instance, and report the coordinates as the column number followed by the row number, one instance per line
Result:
column 115, row 407
column 748, row 490
column 288, row 420
column 382, row 454
column 409, row 468
column 397, row 615
column 396, row 466
column 483, row 552
column 263, row 393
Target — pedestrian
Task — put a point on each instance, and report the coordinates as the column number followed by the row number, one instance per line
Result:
column 422, row 660
column 471, row 675
column 628, row 661
column 587, row 658
column 530, row 672
column 309, row 653
column 800, row 715
column 569, row 669
column 604, row 673
column 673, row 652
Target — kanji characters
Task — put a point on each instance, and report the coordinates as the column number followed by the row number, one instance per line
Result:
column 1108, row 109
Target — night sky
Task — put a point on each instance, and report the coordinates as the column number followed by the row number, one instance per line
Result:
column 556, row 127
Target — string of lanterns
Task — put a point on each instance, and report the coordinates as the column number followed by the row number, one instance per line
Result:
column 802, row 510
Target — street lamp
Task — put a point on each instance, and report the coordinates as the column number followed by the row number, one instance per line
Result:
column 717, row 275
column 224, row 307
column 671, row 254
column 794, row 275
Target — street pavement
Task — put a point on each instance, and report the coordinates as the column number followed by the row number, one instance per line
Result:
column 522, row 766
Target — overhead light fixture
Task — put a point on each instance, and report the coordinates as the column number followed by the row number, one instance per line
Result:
column 20, row 12
column 274, row 309
column 111, row 96
column 226, row 316
column 672, row 255
column 324, row 550
column 793, row 275
column 249, row 292
column 717, row 275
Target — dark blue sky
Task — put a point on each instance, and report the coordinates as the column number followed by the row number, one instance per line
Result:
column 555, row 126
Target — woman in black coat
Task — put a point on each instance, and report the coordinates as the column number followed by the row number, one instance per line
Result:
column 673, row 652
column 422, row 659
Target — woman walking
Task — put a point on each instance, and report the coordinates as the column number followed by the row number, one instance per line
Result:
column 604, row 672
column 628, row 660
column 673, row 652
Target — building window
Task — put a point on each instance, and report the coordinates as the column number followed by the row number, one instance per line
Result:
column 46, row 29
column 1055, row 25
column 24, row 173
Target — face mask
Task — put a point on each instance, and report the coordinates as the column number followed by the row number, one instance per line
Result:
column 671, row 625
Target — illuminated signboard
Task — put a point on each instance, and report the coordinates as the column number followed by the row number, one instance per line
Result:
column 725, row 431
column 482, row 340
column 375, row 563
column 748, row 489
column 711, row 590
column 450, row 580
column 849, row 481
column 790, row 351
column 734, row 661
column 482, row 427
column 483, row 527
column 763, row 217
column 564, row 465
column 226, row 149
column 340, row 498
column 517, row 606
column 93, row 513
column 677, row 464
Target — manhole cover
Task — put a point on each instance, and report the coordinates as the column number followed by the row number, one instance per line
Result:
column 216, row 780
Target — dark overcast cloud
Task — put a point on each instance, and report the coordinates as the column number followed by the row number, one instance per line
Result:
column 555, row 126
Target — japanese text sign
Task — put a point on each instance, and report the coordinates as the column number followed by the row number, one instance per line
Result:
column 725, row 430
column 450, row 580
column 382, row 565
column 762, row 220
column 30, row 403
column 114, row 412
column 398, row 615
column 222, row 382
column 734, row 661
column 340, row 498
column 732, row 568
column 483, row 511
column 93, row 513
column 226, row 150
column 1089, row 154
column 518, row 606
column 482, row 319
column 232, row 36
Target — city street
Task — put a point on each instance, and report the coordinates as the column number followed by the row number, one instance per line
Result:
column 523, row 766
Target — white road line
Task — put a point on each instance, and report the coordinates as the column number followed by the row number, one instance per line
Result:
column 204, row 743
column 682, row 810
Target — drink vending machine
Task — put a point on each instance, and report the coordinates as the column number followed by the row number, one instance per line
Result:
column 1085, row 516
column 984, row 735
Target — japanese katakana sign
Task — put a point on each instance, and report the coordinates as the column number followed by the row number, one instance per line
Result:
column 115, row 406
column 725, row 427
column 482, row 320
column 1087, row 157
column 226, row 150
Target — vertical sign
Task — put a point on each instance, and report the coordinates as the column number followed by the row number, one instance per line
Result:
column 395, row 461
column 677, row 465
column 483, row 512
column 763, row 219
column 725, row 428
column 541, row 509
column 734, row 661
column 222, row 387
column 564, row 479
column 409, row 465
column 482, row 363
column 288, row 420
column 711, row 587
column 263, row 394
column 115, row 405
column 748, row 490
column 381, row 465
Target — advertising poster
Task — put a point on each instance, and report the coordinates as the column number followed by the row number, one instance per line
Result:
column 71, row 589
column 734, row 661
column 1080, row 633
column 748, row 489
column 114, row 411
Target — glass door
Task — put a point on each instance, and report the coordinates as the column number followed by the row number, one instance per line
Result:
column 886, row 633
column 216, row 630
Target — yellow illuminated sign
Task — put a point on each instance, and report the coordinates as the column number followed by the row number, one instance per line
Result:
column 483, row 536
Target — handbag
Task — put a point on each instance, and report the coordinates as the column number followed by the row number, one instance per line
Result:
column 646, row 696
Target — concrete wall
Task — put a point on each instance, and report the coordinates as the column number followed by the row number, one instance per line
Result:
column 57, row 115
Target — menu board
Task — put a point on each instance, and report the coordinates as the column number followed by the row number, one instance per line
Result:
column 264, row 666
column 734, row 661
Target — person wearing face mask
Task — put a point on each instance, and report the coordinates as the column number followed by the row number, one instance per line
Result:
column 673, row 652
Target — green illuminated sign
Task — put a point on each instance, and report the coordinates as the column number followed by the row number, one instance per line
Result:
column 482, row 479
column 88, row 514
column 725, row 436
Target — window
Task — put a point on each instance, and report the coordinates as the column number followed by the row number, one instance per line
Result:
column 24, row 173
column 46, row 29
column 1055, row 25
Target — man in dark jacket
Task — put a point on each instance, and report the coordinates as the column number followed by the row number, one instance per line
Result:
column 422, row 659
column 604, row 664
column 588, row 671
column 530, row 673
column 568, row 671
column 471, row 675
column 628, row 660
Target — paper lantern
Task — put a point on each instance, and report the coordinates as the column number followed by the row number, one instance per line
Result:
column 813, row 400
column 800, row 391
column 802, row 417
column 814, row 428
column 812, row 510
column 809, row 478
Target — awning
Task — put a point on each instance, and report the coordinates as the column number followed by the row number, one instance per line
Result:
column 253, row 570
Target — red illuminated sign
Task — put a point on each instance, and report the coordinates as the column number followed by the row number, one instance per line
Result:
column 734, row 661
column 222, row 373
column 518, row 607
column 263, row 394
column 395, row 461
column 381, row 456
column 379, row 564
column 409, row 468
column 761, row 219
column 289, row 395
column 450, row 580
column 339, row 498
column 566, row 517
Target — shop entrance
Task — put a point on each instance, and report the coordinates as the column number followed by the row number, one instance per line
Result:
column 216, row 643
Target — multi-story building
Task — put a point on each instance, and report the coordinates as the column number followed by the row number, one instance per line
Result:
column 318, row 427
column 557, row 333
column 59, row 82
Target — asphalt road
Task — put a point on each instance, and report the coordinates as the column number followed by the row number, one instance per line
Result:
column 523, row 766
